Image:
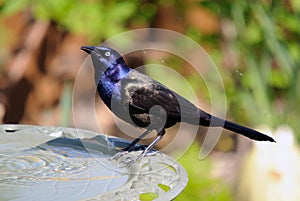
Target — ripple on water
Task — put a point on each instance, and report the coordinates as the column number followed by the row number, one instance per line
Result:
column 24, row 172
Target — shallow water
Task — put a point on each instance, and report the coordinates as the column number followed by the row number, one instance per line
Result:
column 52, row 172
column 37, row 174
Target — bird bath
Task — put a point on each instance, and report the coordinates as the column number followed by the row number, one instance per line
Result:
column 56, row 163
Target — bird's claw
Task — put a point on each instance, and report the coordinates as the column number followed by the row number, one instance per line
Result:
column 131, row 158
column 119, row 155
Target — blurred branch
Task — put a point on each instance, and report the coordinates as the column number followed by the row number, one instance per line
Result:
column 28, row 51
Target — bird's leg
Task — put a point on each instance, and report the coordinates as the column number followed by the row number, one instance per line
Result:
column 151, row 145
column 130, row 147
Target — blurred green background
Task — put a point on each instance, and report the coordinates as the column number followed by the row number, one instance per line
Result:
column 255, row 45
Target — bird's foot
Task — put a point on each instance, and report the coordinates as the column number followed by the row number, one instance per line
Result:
column 126, row 157
column 144, row 154
column 119, row 155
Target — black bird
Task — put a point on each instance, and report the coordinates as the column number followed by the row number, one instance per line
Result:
column 132, row 96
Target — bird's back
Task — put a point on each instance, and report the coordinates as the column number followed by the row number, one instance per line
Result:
column 140, row 93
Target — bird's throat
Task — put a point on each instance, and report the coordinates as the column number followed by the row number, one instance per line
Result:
column 115, row 73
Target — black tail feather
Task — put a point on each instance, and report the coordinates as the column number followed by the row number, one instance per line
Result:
column 248, row 132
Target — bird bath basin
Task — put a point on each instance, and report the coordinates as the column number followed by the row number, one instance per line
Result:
column 56, row 163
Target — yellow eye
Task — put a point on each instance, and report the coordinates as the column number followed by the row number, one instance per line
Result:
column 107, row 54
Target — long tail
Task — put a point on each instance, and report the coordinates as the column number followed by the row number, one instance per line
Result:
column 248, row 132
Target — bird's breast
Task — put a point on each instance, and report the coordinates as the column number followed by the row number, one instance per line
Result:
column 107, row 90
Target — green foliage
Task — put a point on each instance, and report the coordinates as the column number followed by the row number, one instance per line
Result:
column 10, row 7
column 98, row 19
column 201, row 185
column 148, row 196
column 164, row 187
column 266, row 44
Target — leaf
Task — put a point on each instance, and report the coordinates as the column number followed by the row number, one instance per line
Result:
column 9, row 7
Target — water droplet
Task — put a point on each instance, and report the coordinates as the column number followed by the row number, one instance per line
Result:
column 240, row 73
column 161, row 60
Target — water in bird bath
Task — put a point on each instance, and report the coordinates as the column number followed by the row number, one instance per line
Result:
column 36, row 166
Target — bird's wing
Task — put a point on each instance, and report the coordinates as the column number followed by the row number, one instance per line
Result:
column 143, row 93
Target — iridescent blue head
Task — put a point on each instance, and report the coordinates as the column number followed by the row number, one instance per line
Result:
column 108, row 61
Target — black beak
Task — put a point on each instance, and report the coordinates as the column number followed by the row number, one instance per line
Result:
column 88, row 49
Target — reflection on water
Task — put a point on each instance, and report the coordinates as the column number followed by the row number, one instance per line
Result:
column 59, row 169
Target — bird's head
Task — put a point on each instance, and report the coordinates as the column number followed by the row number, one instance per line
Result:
column 102, row 55
column 106, row 59
column 107, row 62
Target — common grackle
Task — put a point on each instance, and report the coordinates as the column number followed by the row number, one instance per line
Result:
column 141, row 101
